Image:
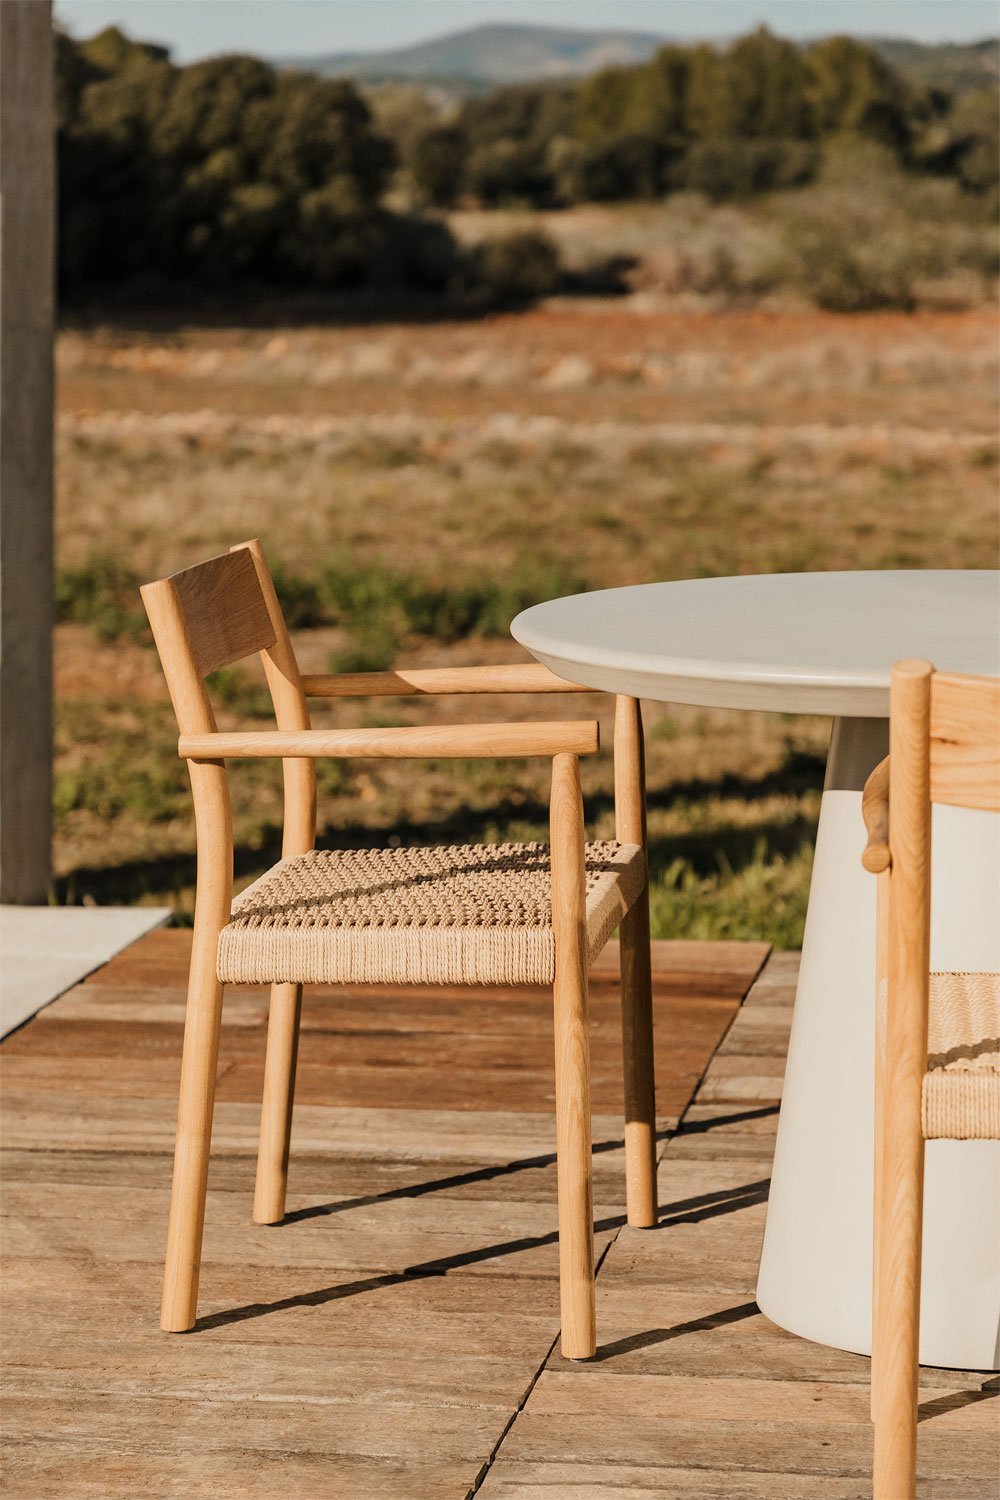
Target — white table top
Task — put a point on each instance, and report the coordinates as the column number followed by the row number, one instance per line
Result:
column 798, row 642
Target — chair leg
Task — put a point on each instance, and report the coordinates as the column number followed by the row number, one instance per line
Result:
column 876, row 1360
column 276, row 1105
column 897, row 1331
column 575, row 1183
column 881, row 1022
column 572, row 1059
column 637, row 1056
column 194, row 1135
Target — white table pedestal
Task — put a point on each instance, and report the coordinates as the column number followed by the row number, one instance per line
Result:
column 816, row 1266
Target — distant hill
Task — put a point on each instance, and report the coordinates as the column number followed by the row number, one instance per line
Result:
column 484, row 56
column 959, row 66
column 491, row 55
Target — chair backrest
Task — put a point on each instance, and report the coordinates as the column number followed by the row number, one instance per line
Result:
column 944, row 746
column 965, row 741
column 215, row 614
column 225, row 613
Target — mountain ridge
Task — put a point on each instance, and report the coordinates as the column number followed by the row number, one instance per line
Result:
column 504, row 52
column 492, row 54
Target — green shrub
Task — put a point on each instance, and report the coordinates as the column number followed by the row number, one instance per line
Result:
column 234, row 687
column 509, row 172
column 300, row 598
column 381, row 607
column 839, row 278
column 410, row 604
column 834, row 256
column 626, row 166
column 103, row 594
column 515, row 269
column 373, row 650
column 420, row 254
column 437, row 164
column 737, row 169
column 767, row 894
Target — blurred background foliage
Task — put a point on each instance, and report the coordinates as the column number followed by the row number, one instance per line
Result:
column 229, row 176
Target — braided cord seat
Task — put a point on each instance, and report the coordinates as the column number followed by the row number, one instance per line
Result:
column 474, row 914
column 961, row 1088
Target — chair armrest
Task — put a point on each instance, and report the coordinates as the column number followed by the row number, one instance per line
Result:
column 438, row 741
column 517, row 677
column 875, row 811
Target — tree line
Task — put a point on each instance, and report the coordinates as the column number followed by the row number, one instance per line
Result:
column 726, row 123
column 223, row 172
column 229, row 173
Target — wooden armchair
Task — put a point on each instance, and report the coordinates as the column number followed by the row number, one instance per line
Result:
column 491, row 914
column 937, row 1035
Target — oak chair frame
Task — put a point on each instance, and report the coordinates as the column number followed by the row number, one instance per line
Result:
column 226, row 609
column 944, row 747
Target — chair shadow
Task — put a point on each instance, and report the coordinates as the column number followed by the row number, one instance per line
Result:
column 955, row 1400
column 441, row 1184
column 440, row 1266
column 662, row 1335
column 699, row 1127
column 713, row 1205
column 685, row 1211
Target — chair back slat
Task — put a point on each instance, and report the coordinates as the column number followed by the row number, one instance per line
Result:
column 965, row 741
column 224, row 609
column 218, row 613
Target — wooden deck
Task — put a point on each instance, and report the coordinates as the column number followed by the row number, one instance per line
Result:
column 396, row 1337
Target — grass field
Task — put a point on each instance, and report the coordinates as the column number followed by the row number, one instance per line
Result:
column 419, row 483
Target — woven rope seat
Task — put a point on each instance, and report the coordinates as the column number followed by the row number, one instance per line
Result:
column 477, row 914
column 961, row 1088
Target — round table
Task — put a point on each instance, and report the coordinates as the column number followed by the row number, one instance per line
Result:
column 823, row 643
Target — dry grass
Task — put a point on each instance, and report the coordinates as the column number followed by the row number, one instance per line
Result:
column 601, row 444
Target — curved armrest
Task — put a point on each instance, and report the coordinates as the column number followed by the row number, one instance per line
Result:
column 875, row 811
column 438, row 741
column 517, row 677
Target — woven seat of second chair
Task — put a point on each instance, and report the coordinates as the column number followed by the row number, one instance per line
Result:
column 961, row 1089
column 478, row 914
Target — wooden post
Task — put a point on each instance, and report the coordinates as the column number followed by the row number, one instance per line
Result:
column 27, row 315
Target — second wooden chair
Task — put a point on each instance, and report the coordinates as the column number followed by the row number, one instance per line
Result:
column 937, row 1035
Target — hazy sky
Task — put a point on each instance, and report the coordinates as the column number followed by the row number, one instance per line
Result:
column 197, row 28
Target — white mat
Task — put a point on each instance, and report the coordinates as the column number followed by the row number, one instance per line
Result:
column 45, row 950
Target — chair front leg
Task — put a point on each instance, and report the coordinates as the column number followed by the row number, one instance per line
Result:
column 572, row 1064
column 194, row 1136
column 200, row 1057
column 897, row 1330
column 276, row 1105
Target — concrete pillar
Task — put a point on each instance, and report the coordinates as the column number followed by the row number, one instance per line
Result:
column 27, row 308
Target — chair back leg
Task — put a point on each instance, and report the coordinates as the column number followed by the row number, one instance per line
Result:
column 636, row 976
column 637, row 1059
column 881, row 1001
column 276, row 1104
